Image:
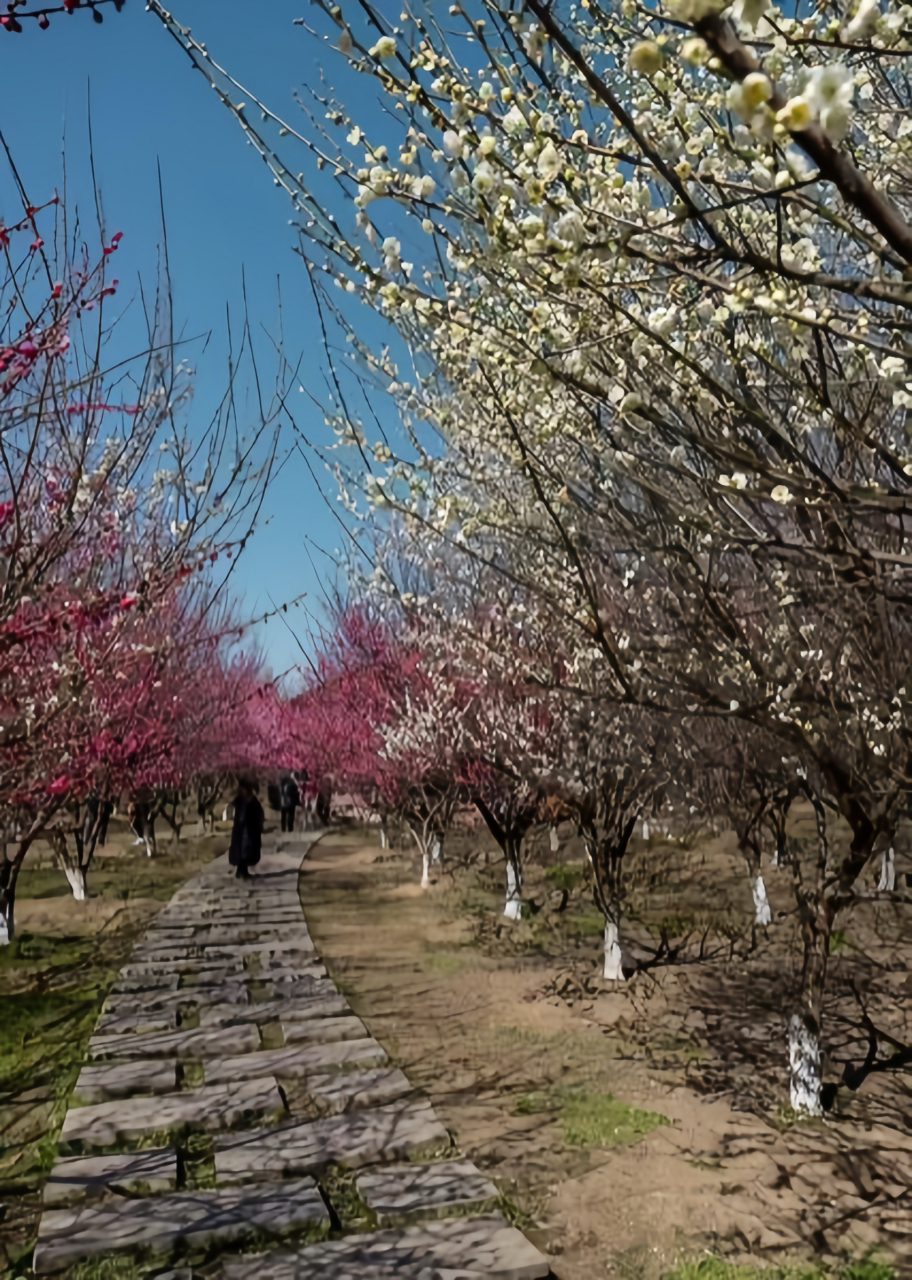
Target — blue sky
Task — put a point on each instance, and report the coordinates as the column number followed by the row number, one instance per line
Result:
column 223, row 214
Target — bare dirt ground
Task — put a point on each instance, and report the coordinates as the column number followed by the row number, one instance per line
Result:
column 53, row 979
column 517, row 1041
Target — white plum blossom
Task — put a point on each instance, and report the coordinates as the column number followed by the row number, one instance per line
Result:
column 384, row 48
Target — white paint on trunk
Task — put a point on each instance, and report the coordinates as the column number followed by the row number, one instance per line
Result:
column 5, row 928
column 148, row 845
column 613, row 959
column 76, row 877
column 804, row 1065
column 436, row 850
column 645, row 829
column 555, row 840
column 762, row 913
column 225, row 814
column 887, row 881
column 513, row 904
column 139, row 840
column 425, row 871
column 383, row 842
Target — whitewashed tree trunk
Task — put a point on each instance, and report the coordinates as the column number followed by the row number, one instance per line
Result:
column 425, row 871
column 645, row 829
column 76, row 878
column 6, row 924
column 513, row 904
column 887, row 882
column 555, row 840
column 762, row 913
column 613, row 967
column 384, row 843
column 804, row 1065
column 436, row 850
column 225, row 813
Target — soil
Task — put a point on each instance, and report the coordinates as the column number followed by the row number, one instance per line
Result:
column 516, row 1040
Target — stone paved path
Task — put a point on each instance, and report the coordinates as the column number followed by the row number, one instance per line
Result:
column 235, row 1120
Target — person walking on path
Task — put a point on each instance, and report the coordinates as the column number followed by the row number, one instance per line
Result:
column 290, row 798
column 247, row 832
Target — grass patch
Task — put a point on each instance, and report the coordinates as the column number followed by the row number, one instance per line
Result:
column 601, row 1120
column 867, row 1269
column 347, row 1209
column 53, row 955
column 838, row 941
column 41, row 882
column 709, row 1267
column 591, row 1119
column 713, row 1268
column 112, row 1267
column 585, row 924
column 564, row 875
column 533, row 1104
column 514, row 1213
column 444, row 962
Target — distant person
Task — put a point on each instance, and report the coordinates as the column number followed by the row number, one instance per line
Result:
column 324, row 801
column 247, row 832
column 139, row 813
column 290, row 798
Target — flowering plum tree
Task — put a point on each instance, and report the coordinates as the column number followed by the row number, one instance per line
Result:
column 16, row 13
column 657, row 326
column 107, row 557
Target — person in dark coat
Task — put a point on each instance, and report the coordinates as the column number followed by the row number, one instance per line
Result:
column 290, row 799
column 247, row 832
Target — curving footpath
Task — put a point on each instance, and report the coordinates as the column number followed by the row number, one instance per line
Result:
column 228, row 1093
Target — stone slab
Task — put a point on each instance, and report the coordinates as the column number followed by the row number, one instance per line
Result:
column 308, row 977
column 285, row 1011
column 425, row 1190
column 123, row 1079
column 68, row 1235
column 216, row 935
column 156, row 981
column 171, row 967
column 353, row 1139
column 263, row 947
column 87, row 1177
column 210, row 1108
column 139, row 1021
column 349, row 1090
column 196, row 1044
column 324, row 1030
column 458, row 1249
column 294, row 1060
column 159, row 1002
column 214, row 975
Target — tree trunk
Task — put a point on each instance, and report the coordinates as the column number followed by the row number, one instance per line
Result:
column 77, row 880
column 762, row 913
column 887, row 882
column 612, row 968
column 804, row 1064
column 8, row 873
column 804, row 1021
column 555, row 840
column 513, row 903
